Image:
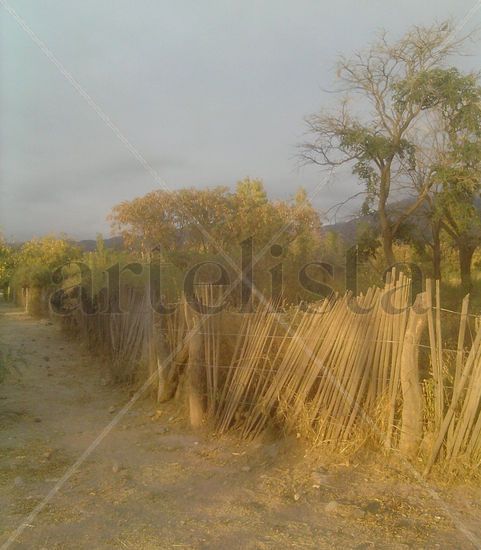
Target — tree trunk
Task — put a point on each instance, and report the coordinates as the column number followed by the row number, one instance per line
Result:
column 387, row 242
column 386, row 228
column 436, row 231
column 466, row 252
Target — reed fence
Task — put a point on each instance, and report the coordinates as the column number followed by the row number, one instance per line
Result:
column 343, row 371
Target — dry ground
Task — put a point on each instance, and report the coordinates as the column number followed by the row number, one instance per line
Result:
column 153, row 483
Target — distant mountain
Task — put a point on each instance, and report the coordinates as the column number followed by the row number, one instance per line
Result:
column 89, row 245
column 348, row 229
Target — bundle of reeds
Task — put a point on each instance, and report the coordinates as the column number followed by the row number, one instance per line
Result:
column 329, row 366
column 457, row 441
column 121, row 335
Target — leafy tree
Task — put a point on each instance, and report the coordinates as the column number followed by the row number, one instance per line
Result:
column 253, row 215
column 8, row 260
column 462, row 222
column 333, row 248
column 305, row 226
column 173, row 219
column 367, row 239
column 37, row 258
column 392, row 83
column 177, row 223
column 448, row 162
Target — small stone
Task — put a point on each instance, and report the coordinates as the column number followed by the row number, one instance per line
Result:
column 47, row 454
column 297, row 496
column 112, row 409
column 116, row 467
column 246, row 468
column 373, row 507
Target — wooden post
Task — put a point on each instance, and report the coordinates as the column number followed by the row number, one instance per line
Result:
column 195, row 375
column 412, row 415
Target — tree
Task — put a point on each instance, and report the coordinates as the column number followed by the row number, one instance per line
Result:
column 447, row 161
column 174, row 219
column 459, row 168
column 253, row 214
column 171, row 221
column 462, row 222
column 8, row 260
column 373, row 136
column 305, row 226
column 37, row 258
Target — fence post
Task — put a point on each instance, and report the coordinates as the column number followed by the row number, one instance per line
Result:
column 195, row 374
column 412, row 415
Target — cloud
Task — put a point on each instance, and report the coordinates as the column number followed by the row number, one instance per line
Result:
column 207, row 92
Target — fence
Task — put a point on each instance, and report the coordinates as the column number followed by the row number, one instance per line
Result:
column 343, row 371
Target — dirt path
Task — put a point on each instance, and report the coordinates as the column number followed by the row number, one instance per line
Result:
column 152, row 483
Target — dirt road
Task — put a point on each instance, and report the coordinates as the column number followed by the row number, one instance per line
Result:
column 153, row 483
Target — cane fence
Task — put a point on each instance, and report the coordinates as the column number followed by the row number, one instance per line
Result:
column 342, row 371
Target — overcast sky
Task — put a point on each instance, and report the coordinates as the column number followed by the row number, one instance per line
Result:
column 206, row 91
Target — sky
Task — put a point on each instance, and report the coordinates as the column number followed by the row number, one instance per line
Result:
column 102, row 101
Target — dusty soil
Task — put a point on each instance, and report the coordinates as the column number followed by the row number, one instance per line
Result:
column 153, row 483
